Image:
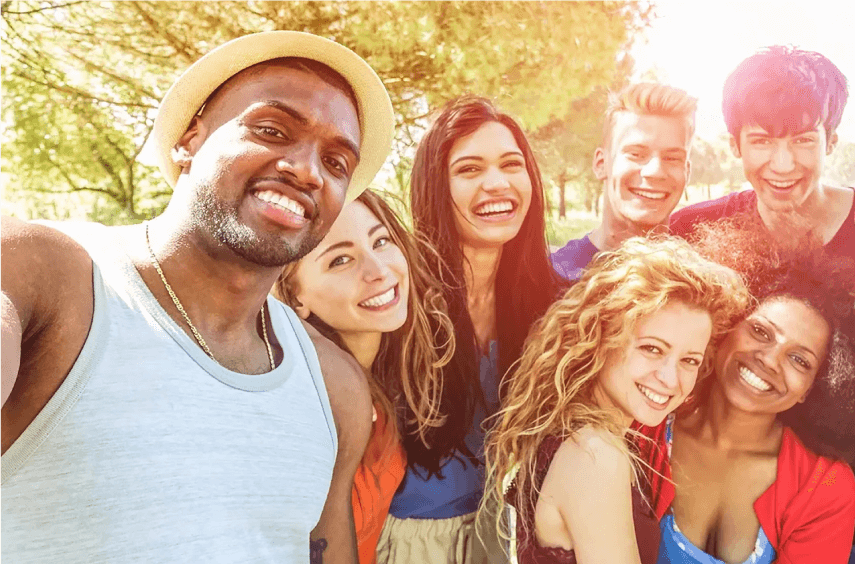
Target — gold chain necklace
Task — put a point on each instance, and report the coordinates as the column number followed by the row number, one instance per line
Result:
column 186, row 317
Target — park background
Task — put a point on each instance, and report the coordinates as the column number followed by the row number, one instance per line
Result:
column 82, row 80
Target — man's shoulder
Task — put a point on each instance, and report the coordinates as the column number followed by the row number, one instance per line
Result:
column 569, row 260
column 683, row 221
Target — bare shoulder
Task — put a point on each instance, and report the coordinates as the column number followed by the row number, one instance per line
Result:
column 589, row 484
column 48, row 305
column 595, row 453
column 40, row 266
column 346, row 385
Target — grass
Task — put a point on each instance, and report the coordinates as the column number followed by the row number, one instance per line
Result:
column 575, row 225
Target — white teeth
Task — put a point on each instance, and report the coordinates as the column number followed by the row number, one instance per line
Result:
column 649, row 194
column 494, row 207
column 754, row 380
column 380, row 300
column 281, row 201
column 653, row 396
column 782, row 185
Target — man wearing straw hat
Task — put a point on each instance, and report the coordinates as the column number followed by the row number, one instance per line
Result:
column 157, row 405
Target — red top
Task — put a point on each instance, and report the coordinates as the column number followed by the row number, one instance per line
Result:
column 374, row 484
column 808, row 513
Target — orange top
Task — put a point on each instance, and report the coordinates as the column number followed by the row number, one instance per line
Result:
column 376, row 481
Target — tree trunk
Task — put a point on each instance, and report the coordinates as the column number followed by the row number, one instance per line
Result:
column 562, row 201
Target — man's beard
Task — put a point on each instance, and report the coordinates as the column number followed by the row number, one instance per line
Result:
column 221, row 221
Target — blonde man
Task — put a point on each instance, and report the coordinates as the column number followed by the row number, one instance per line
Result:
column 644, row 166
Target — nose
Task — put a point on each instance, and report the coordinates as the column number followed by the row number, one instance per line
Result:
column 782, row 158
column 495, row 180
column 653, row 168
column 768, row 357
column 373, row 268
column 303, row 164
column 667, row 374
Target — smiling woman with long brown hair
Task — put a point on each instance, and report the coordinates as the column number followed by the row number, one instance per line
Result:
column 365, row 288
column 477, row 196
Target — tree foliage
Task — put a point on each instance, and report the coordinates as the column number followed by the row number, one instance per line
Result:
column 82, row 80
column 840, row 165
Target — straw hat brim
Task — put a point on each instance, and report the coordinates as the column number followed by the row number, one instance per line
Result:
column 189, row 92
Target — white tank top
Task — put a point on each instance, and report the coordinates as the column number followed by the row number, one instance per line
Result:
column 152, row 452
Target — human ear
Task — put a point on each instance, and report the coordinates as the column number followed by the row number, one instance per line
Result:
column 599, row 164
column 183, row 151
column 734, row 147
column 832, row 143
column 301, row 310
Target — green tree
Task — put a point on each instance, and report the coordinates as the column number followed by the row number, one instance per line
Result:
column 82, row 80
column 566, row 145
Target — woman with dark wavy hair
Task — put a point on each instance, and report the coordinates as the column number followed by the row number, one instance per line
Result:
column 476, row 195
column 759, row 459
column 365, row 288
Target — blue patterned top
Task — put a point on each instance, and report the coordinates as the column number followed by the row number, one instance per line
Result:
column 675, row 548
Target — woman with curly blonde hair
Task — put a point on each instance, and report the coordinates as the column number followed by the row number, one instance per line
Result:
column 365, row 288
column 626, row 343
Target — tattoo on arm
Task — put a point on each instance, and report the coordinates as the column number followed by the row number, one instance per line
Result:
column 316, row 551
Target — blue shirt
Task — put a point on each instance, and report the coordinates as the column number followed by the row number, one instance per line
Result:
column 460, row 490
column 570, row 260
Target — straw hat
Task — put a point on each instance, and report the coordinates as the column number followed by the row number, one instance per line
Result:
column 189, row 92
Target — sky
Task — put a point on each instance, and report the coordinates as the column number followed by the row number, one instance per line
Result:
column 695, row 44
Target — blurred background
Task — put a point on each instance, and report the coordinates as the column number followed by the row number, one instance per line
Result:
column 81, row 82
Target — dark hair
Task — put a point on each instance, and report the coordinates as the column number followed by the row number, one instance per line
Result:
column 776, row 87
column 803, row 271
column 525, row 283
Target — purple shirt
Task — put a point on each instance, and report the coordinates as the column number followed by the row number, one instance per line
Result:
column 570, row 260
column 683, row 222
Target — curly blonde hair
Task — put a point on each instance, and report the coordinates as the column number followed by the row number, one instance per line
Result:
column 409, row 363
column 551, row 390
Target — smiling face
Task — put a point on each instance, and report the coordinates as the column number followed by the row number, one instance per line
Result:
column 658, row 368
column 784, row 171
column 644, row 168
column 269, row 162
column 357, row 279
column 769, row 361
column 490, row 186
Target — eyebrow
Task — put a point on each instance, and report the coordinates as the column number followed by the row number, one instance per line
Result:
column 477, row 158
column 303, row 120
column 667, row 344
column 343, row 244
column 779, row 330
column 764, row 134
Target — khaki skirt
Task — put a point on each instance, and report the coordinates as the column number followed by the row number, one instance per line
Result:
column 438, row 541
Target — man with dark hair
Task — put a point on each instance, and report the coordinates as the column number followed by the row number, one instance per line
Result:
column 158, row 406
column 782, row 107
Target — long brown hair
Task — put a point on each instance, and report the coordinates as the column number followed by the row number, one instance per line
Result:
column 525, row 283
column 406, row 377
column 551, row 390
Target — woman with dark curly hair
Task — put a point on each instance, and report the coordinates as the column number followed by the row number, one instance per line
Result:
column 759, row 458
column 477, row 196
